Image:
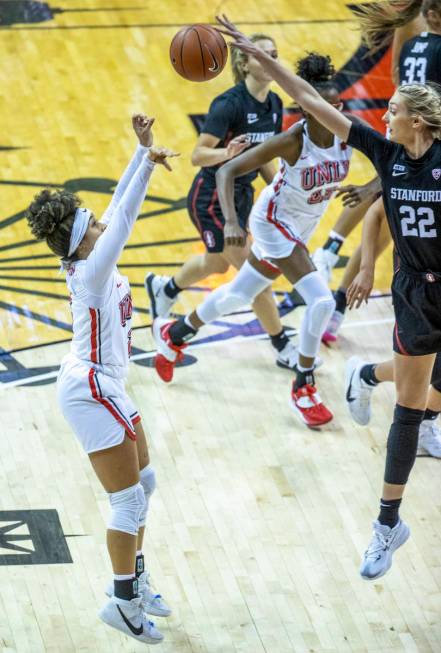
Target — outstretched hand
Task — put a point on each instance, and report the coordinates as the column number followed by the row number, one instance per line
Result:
column 239, row 39
column 142, row 126
column 160, row 155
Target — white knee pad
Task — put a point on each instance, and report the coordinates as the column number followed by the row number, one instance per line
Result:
column 147, row 478
column 126, row 506
column 241, row 291
column 319, row 307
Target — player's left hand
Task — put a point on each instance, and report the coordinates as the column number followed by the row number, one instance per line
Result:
column 142, row 126
column 239, row 39
column 360, row 289
column 353, row 195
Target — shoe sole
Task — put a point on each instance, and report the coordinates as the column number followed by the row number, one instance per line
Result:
column 299, row 414
column 148, row 286
column 384, row 571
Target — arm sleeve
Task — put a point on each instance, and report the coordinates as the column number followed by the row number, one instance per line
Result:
column 375, row 146
column 124, row 182
column 108, row 247
column 220, row 118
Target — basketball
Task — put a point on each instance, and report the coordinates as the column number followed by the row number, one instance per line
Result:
column 198, row 53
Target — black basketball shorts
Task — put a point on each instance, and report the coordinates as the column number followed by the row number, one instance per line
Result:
column 417, row 306
column 205, row 211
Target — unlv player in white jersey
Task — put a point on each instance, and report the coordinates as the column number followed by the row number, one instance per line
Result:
column 313, row 163
column 91, row 390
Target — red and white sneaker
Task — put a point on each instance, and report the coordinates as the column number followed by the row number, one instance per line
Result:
column 168, row 353
column 307, row 405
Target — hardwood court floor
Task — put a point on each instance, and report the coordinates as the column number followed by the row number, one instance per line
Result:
column 257, row 526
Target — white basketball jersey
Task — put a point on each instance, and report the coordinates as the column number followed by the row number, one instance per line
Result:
column 101, row 336
column 299, row 194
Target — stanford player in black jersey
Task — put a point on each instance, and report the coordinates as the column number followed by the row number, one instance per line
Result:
column 420, row 58
column 243, row 116
column 410, row 169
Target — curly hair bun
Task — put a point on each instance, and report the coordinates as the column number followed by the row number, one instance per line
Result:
column 316, row 68
column 48, row 210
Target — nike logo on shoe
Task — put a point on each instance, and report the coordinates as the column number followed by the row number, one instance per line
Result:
column 135, row 630
column 348, row 391
column 395, row 173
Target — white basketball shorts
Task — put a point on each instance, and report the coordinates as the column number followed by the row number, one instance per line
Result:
column 272, row 238
column 95, row 405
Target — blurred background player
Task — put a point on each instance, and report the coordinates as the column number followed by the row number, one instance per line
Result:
column 91, row 383
column 243, row 116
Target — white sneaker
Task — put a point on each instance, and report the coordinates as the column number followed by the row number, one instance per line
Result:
column 430, row 438
column 358, row 393
column 324, row 260
column 334, row 324
column 150, row 602
column 289, row 356
column 129, row 618
column 160, row 302
column 378, row 556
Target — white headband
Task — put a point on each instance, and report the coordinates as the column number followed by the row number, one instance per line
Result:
column 81, row 222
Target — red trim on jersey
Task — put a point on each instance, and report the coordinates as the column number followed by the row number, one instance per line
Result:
column 270, row 266
column 399, row 343
column 93, row 336
column 193, row 203
column 212, row 212
column 271, row 216
column 127, row 427
column 136, row 419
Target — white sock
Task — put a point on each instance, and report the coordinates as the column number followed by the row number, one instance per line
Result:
column 123, row 576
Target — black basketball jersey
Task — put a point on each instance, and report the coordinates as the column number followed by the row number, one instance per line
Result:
column 411, row 195
column 420, row 59
column 237, row 112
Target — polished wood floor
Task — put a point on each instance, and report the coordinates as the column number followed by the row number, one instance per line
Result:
column 257, row 526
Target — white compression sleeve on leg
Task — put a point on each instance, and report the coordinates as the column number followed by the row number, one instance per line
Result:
column 147, row 479
column 242, row 290
column 126, row 506
column 319, row 307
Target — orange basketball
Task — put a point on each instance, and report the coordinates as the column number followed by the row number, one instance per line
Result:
column 198, row 53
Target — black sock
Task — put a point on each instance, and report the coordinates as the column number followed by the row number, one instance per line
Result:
column 368, row 374
column 430, row 414
column 180, row 332
column 171, row 289
column 389, row 512
column 340, row 300
column 126, row 589
column 139, row 565
column 333, row 244
column 303, row 377
column 280, row 340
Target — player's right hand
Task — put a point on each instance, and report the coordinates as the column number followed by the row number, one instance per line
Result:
column 160, row 155
column 237, row 145
column 142, row 126
column 360, row 289
column 234, row 235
